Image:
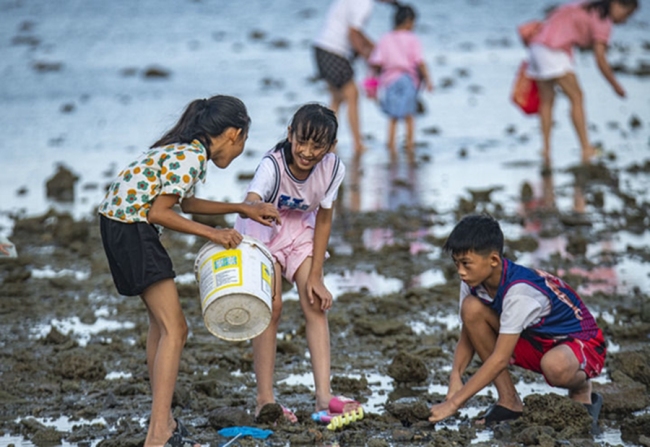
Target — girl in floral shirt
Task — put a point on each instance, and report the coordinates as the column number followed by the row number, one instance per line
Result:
column 139, row 202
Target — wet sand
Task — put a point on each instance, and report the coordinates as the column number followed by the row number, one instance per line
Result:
column 61, row 278
column 73, row 369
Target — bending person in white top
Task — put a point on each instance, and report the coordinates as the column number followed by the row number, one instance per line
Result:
column 340, row 40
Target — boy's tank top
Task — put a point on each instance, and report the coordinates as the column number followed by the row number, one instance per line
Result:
column 568, row 317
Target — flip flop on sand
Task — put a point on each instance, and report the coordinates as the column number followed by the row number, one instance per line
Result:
column 594, row 411
column 335, row 416
column 177, row 440
column 181, row 429
column 497, row 413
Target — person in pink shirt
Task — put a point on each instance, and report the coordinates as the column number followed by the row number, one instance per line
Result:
column 398, row 58
column 584, row 24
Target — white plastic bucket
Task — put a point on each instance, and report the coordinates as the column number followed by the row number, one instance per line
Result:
column 236, row 288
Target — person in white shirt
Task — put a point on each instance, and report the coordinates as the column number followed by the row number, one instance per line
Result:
column 340, row 40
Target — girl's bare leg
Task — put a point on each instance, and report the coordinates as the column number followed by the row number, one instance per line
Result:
column 569, row 84
column 392, row 147
column 165, row 342
column 547, row 98
column 264, row 349
column 410, row 143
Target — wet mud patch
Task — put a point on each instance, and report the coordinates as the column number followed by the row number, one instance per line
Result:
column 388, row 350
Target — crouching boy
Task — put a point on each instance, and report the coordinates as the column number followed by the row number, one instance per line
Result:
column 512, row 314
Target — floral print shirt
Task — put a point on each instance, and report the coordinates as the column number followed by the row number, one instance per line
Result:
column 173, row 169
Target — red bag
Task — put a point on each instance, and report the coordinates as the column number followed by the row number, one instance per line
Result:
column 528, row 30
column 524, row 91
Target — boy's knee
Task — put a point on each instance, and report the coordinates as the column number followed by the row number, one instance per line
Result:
column 472, row 309
column 558, row 368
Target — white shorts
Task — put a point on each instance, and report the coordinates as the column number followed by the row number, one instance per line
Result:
column 546, row 63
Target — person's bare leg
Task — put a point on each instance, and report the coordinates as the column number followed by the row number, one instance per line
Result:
column 482, row 326
column 410, row 143
column 546, row 99
column 170, row 332
column 562, row 369
column 569, row 84
column 390, row 144
column 336, row 98
column 318, row 337
column 153, row 340
column 264, row 349
column 351, row 98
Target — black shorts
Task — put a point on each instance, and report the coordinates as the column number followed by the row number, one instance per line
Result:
column 135, row 255
column 335, row 69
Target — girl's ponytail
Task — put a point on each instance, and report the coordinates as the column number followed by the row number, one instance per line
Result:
column 205, row 118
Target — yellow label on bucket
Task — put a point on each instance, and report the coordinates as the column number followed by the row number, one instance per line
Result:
column 266, row 279
column 227, row 269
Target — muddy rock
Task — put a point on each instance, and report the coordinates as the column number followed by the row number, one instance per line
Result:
column 622, row 396
column 566, row 417
column 636, row 429
column 409, row 410
column 60, row 186
column 350, row 386
column 79, row 365
column 407, row 368
column 635, row 364
column 237, row 417
column 537, row 435
column 380, row 327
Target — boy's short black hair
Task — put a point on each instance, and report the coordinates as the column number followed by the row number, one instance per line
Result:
column 479, row 233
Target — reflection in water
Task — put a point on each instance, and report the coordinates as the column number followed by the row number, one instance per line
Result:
column 386, row 187
column 543, row 220
column 389, row 189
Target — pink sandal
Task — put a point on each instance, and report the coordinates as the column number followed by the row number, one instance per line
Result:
column 335, row 417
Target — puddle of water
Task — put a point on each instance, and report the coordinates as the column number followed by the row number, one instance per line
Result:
column 49, row 272
column 80, row 331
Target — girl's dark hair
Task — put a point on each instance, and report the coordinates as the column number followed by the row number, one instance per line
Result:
column 311, row 122
column 403, row 13
column 205, row 118
column 602, row 6
column 479, row 233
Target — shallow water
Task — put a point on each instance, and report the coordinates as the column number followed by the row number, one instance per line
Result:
column 97, row 111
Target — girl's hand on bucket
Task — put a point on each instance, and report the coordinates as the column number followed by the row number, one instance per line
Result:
column 264, row 213
column 227, row 238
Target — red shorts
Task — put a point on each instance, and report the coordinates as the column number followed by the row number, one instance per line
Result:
column 590, row 353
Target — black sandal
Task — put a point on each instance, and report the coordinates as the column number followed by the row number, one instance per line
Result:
column 180, row 429
column 177, row 440
column 497, row 413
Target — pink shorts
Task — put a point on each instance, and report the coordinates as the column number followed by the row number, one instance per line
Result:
column 590, row 353
column 290, row 257
column 290, row 243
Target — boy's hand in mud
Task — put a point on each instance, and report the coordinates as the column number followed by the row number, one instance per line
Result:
column 316, row 289
column 264, row 213
column 4, row 249
column 442, row 411
column 227, row 238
